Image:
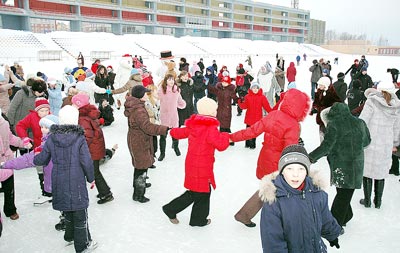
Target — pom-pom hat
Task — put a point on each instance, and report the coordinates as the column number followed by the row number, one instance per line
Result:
column 207, row 106
column 294, row 154
column 41, row 103
column 226, row 79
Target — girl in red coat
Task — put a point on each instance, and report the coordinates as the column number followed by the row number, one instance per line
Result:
column 89, row 121
column 203, row 135
column 254, row 102
column 281, row 128
column 31, row 122
column 291, row 75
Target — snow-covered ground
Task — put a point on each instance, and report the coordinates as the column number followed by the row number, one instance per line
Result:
column 127, row 226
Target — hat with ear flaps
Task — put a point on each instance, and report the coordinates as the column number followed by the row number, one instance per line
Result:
column 207, row 106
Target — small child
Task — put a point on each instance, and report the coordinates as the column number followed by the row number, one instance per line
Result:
column 295, row 214
column 203, row 135
column 106, row 112
column 66, row 147
column 55, row 95
column 254, row 102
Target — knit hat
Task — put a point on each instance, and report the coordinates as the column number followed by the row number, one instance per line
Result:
column 51, row 80
column 2, row 78
column 325, row 71
column 41, row 103
column 226, row 79
column 340, row 75
column 68, row 115
column 207, row 106
column 38, row 85
column 325, row 81
column 67, row 70
column 109, row 67
column 134, row 71
column 80, row 99
column 363, row 69
column 294, row 154
column 138, row 91
column 254, row 85
column 48, row 121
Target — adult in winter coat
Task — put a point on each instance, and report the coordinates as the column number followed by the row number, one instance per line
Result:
column 295, row 215
column 24, row 99
column 203, row 136
column 211, row 79
column 291, row 73
column 316, row 74
column 280, row 77
column 102, row 81
column 201, row 65
column 199, row 88
column 340, row 87
column 268, row 83
column 355, row 97
column 67, row 148
column 281, row 128
column 89, row 120
column 4, row 97
column 185, row 83
column 344, row 142
column 183, row 65
column 254, row 103
column 366, row 81
column 134, row 79
column 354, row 69
column 140, row 139
column 381, row 112
column 225, row 92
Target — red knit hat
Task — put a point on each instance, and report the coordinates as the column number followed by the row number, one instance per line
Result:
column 226, row 79
column 41, row 103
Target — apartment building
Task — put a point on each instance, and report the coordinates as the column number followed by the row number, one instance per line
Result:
column 244, row 19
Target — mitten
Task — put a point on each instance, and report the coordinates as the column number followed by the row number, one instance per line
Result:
column 26, row 141
column 108, row 92
column 101, row 121
column 37, row 150
column 335, row 243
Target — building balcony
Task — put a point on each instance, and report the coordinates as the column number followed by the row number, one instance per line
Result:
column 47, row 13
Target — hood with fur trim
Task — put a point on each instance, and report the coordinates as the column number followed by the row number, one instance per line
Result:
column 269, row 191
column 65, row 135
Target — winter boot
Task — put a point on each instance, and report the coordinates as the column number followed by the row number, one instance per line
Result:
column 41, row 181
column 378, row 185
column 163, row 143
column 395, row 166
column 175, row 143
column 60, row 226
column 249, row 210
column 367, row 187
column 140, row 189
column 106, row 198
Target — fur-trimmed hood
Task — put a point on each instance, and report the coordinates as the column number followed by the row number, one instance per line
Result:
column 271, row 186
column 65, row 135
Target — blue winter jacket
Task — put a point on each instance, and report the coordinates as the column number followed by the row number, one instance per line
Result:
column 72, row 166
column 294, row 221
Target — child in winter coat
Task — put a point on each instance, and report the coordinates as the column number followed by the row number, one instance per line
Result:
column 106, row 112
column 199, row 87
column 254, row 102
column 67, row 148
column 295, row 215
column 140, row 139
column 89, row 120
column 225, row 93
column 170, row 100
column 204, row 138
column 344, row 142
column 6, row 175
column 281, row 128
column 31, row 121
column 55, row 95
column 291, row 74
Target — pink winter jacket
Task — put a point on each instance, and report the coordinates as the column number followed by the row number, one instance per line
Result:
column 7, row 139
column 169, row 104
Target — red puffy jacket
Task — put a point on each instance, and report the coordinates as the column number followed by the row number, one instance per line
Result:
column 254, row 103
column 31, row 121
column 291, row 73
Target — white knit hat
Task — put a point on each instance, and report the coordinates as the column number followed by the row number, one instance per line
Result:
column 207, row 106
column 68, row 115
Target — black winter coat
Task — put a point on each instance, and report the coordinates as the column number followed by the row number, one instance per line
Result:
column 187, row 95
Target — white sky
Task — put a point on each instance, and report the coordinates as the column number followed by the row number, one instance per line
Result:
column 374, row 18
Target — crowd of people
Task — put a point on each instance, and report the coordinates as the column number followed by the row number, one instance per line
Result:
column 55, row 126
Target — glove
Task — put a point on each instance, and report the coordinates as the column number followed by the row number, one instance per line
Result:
column 108, row 92
column 37, row 150
column 335, row 243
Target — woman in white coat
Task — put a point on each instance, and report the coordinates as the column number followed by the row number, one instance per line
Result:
column 268, row 83
column 381, row 113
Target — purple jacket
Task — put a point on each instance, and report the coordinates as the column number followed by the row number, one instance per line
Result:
column 72, row 166
column 26, row 161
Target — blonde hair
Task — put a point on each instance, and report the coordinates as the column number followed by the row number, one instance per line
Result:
column 387, row 96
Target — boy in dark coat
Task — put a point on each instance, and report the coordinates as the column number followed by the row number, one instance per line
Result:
column 140, row 139
column 340, row 87
column 355, row 97
column 204, row 138
column 344, row 142
column 66, row 147
column 295, row 215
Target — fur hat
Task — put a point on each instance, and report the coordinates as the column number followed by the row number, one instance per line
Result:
column 80, row 99
column 41, row 103
column 138, row 91
column 48, row 121
column 340, row 75
column 207, row 106
column 294, row 154
column 68, row 115
column 39, row 85
column 226, row 79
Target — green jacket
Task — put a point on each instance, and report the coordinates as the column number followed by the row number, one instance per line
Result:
column 344, row 142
